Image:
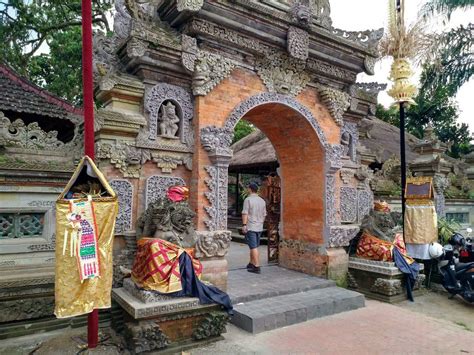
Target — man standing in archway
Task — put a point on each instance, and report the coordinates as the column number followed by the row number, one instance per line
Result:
column 253, row 216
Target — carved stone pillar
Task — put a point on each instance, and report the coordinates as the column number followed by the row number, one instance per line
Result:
column 440, row 183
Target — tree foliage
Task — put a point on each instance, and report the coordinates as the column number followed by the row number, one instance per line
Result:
column 437, row 108
column 451, row 60
column 242, row 129
column 42, row 41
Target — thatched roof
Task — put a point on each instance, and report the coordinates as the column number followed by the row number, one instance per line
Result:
column 382, row 139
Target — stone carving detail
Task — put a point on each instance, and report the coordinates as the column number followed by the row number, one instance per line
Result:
column 322, row 12
column 124, row 191
column 369, row 90
column 169, row 161
column 348, row 204
column 301, row 14
column 215, row 139
column 31, row 136
column 340, row 236
column 168, row 120
column 144, row 336
column 324, row 68
column 383, row 225
column 180, row 99
column 144, row 295
column 333, row 157
column 298, row 43
column 127, row 158
column 351, row 281
column 282, row 74
column 168, row 220
column 388, row 287
column 330, row 199
column 212, row 244
column 369, row 38
column 369, row 65
column 365, row 201
column 136, row 48
column 217, row 197
column 189, row 52
column 337, row 102
column 350, row 139
column 212, row 325
column 157, row 185
column 346, row 175
column 440, row 184
column 210, row 69
column 189, row 5
column 122, row 20
column 124, row 259
column 28, row 308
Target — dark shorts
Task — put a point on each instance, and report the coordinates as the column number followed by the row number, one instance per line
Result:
column 253, row 239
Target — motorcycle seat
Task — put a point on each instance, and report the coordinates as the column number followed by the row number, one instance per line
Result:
column 463, row 266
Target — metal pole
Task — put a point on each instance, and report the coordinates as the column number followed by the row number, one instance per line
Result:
column 403, row 160
column 88, row 97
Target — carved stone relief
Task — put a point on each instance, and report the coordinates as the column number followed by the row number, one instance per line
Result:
column 213, row 244
column 298, row 43
column 144, row 336
column 348, row 197
column 346, row 175
column 189, row 5
column 157, row 185
column 440, row 183
column 212, row 325
column 330, row 199
column 282, row 74
column 322, row 12
column 189, row 53
column 124, row 191
column 127, row 158
column 136, row 48
column 301, row 13
column 340, row 236
column 337, row 102
column 210, row 69
column 217, row 197
column 365, row 202
column 31, row 136
column 350, row 139
column 176, row 104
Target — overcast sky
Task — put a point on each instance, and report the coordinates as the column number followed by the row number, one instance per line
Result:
column 371, row 14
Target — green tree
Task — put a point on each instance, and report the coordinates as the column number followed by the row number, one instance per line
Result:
column 42, row 41
column 437, row 108
column 242, row 129
column 452, row 57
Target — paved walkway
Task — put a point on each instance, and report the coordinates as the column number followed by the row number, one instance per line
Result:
column 379, row 328
column 238, row 256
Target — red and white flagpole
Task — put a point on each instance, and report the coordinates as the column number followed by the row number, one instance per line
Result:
column 88, row 97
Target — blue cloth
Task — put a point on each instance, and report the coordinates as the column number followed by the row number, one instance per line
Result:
column 192, row 286
column 253, row 239
column 410, row 270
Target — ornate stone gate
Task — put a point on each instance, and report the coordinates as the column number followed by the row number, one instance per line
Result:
column 176, row 78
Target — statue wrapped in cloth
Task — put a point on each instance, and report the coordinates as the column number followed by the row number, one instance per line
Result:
column 169, row 266
column 381, row 240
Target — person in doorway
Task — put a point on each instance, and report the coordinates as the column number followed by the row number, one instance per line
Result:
column 253, row 216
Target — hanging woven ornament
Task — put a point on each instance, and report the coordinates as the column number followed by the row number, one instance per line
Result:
column 82, row 234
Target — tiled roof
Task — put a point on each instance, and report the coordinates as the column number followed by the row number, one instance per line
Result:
column 20, row 95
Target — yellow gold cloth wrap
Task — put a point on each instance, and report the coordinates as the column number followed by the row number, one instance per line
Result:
column 73, row 298
column 421, row 226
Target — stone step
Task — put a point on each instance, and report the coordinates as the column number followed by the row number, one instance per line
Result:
column 276, row 312
column 244, row 286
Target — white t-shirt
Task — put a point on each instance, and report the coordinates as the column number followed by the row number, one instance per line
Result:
column 254, row 207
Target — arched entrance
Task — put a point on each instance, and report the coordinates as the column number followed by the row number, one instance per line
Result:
column 307, row 164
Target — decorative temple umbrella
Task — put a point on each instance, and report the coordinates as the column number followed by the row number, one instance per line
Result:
column 402, row 43
column 88, row 97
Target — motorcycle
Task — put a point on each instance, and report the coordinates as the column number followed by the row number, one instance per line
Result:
column 466, row 252
column 458, row 277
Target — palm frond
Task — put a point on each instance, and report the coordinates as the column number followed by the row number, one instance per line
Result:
column 444, row 7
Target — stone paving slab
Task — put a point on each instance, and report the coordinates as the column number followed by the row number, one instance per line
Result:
column 244, row 286
column 276, row 312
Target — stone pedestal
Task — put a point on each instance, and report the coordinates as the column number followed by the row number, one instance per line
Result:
column 156, row 322
column 380, row 280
